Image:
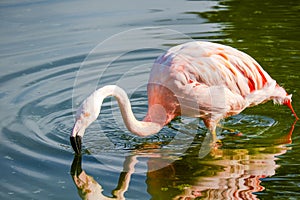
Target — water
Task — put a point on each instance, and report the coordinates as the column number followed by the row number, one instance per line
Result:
column 54, row 53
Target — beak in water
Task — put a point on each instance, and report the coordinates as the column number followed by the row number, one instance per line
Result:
column 76, row 137
column 76, row 143
column 289, row 104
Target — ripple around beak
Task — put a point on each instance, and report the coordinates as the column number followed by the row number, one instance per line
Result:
column 76, row 144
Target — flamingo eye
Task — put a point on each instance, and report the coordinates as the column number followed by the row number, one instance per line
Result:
column 86, row 114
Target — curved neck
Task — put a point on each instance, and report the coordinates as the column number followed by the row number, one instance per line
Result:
column 140, row 128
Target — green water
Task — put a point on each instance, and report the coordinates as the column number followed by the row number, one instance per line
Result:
column 54, row 53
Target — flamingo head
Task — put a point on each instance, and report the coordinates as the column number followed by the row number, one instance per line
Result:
column 283, row 98
column 288, row 102
column 86, row 114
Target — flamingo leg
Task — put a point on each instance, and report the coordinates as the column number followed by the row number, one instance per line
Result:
column 215, row 144
column 215, row 141
column 214, row 135
column 212, row 125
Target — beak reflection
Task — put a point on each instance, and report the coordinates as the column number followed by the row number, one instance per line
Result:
column 76, row 144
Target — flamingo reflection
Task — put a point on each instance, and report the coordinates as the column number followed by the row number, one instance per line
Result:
column 227, row 174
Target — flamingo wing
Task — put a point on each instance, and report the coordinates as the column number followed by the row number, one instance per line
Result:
column 211, row 79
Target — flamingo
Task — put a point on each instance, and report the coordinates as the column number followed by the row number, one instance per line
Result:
column 196, row 79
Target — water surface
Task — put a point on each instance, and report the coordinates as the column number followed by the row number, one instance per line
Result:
column 54, row 53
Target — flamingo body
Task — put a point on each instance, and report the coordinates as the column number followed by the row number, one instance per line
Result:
column 210, row 81
column 197, row 79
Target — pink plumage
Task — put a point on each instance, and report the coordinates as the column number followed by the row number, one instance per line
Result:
column 197, row 79
column 210, row 81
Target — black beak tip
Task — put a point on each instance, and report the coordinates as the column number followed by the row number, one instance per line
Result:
column 76, row 144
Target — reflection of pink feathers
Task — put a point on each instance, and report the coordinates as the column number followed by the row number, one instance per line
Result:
column 197, row 79
column 230, row 174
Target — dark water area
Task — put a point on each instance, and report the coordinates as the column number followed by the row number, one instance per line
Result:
column 55, row 53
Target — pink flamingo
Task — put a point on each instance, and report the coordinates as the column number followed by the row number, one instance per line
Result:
column 197, row 79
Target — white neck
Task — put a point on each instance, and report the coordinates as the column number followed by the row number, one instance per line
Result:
column 140, row 128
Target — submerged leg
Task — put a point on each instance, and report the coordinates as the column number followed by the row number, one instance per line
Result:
column 214, row 135
column 212, row 125
column 216, row 142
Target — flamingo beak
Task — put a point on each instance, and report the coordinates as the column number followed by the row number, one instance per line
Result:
column 76, row 138
column 76, row 144
column 289, row 104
